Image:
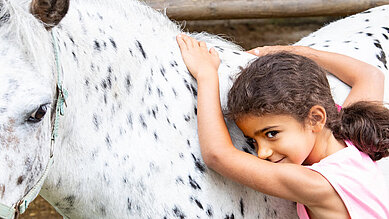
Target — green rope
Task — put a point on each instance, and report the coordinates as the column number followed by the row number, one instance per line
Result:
column 62, row 92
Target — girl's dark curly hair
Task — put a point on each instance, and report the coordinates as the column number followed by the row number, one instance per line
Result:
column 285, row 83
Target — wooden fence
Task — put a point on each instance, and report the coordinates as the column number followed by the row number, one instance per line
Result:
column 237, row 9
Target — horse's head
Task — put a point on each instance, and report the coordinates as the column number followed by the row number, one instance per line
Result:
column 27, row 94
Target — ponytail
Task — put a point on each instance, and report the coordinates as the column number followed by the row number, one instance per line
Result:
column 366, row 125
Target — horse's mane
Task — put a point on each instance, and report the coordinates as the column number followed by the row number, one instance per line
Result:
column 131, row 7
column 159, row 19
column 20, row 28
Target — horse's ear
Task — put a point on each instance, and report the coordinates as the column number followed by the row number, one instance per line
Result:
column 50, row 12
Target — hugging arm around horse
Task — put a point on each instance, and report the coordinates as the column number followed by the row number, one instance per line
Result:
column 126, row 145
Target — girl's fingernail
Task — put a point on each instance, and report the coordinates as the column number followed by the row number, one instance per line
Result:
column 256, row 51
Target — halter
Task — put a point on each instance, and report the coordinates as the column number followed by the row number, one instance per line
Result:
column 9, row 212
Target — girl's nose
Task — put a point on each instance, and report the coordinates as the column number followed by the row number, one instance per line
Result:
column 264, row 152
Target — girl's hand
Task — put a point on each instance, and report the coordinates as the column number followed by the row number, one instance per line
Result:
column 264, row 50
column 199, row 61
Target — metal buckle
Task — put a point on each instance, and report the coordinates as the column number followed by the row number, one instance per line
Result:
column 17, row 209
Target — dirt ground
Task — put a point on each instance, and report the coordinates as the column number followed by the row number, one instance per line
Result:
column 248, row 34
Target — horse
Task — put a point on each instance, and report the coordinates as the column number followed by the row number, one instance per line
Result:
column 98, row 110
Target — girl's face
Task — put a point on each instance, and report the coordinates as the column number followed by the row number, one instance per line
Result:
column 278, row 138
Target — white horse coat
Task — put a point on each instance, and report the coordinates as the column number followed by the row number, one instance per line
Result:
column 127, row 144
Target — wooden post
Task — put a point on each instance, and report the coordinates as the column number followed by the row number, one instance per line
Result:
column 236, row 9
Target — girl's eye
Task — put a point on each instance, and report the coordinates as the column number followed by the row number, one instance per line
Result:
column 271, row 134
column 38, row 115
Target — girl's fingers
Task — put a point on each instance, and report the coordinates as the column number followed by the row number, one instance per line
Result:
column 213, row 51
column 195, row 43
column 181, row 42
column 189, row 41
column 185, row 40
column 254, row 51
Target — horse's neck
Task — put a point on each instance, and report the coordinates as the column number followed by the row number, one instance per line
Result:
column 118, row 62
column 109, row 55
column 128, row 39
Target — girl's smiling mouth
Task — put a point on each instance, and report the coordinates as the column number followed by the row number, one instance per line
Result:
column 278, row 161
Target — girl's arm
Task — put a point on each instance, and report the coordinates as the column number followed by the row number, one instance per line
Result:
column 289, row 181
column 365, row 80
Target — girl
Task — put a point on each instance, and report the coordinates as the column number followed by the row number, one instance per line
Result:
column 283, row 104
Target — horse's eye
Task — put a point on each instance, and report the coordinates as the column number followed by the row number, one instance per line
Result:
column 38, row 115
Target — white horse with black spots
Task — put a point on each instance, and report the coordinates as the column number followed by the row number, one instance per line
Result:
column 126, row 143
